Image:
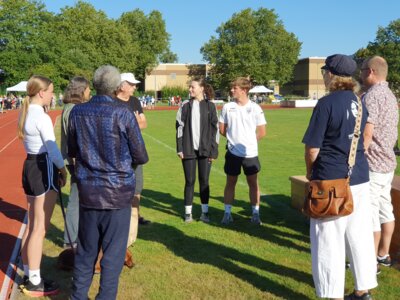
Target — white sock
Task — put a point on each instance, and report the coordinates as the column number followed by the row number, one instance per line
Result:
column 26, row 270
column 256, row 209
column 383, row 257
column 34, row 276
column 228, row 208
column 188, row 209
column 204, row 208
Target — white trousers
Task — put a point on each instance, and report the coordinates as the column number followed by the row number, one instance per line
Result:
column 335, row 238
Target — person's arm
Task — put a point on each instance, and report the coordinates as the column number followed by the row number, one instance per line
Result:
column 179, row 124
column 222, row 128
column 136, row 144
column 261, row 131
column 310, row 156
column 141, row 119
column 368, row 133
column 214, row 132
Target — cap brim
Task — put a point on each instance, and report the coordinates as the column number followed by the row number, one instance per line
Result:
column 133, row 81
column 325, row 67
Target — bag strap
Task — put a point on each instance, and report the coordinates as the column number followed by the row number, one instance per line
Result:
column 356, row 136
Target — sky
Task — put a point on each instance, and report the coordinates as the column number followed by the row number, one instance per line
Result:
column 323, row 27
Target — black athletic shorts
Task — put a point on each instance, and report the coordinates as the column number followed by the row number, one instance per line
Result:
column 39, row 175
column 233, row 165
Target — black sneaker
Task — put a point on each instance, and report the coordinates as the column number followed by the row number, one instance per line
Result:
column 44, row 288
column 385, row 261
column 378, row 269
column 24, row 282
column 205, row 218
column 143, row 221
column 353, row 296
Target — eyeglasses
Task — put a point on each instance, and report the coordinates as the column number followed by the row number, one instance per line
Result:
column 324, row 71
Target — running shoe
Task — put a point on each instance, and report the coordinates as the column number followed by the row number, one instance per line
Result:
column 205, row 218
column 227, row 219
column 44, row 288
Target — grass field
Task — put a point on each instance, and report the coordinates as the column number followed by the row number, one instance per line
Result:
column 209, row 261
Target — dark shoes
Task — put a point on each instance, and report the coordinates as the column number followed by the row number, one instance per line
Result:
column 205, row 218
column 143, row 221
column 385, row 261
column 44, row 288
column 353, row 296
column 129, row 262
column 255, row 219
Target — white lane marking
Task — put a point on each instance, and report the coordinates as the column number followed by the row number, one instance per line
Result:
column 4, row 125
column 14, row 255
column 9, row 143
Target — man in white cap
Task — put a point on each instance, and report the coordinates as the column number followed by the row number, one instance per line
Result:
column 125, row 94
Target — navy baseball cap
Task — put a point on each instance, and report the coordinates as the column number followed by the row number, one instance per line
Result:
column 340, row 65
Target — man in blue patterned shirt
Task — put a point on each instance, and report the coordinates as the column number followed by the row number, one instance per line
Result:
column 105, row 140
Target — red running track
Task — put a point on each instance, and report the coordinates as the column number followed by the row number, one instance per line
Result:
column 12, row 198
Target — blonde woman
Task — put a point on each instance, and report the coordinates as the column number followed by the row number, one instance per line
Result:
column 42, row 175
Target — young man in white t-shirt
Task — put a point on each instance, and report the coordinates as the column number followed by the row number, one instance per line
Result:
column 242, row 122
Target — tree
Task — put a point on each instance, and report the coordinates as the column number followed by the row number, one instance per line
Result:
column 21, row 22
column 84, row 39
column 168, row 57
column 254, row 44
column 387, row 45
column 152, row 40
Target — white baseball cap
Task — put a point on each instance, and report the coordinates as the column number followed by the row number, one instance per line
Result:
column 129, row 77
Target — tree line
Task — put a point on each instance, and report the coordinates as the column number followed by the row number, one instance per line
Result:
column 77, row 41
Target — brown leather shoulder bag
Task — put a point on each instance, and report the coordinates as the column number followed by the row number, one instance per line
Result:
column 333, row 198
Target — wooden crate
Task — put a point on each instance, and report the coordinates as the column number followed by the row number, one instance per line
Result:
column 298, row 190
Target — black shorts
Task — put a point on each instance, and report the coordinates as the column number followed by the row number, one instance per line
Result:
column 233, row 165
column 39, row 175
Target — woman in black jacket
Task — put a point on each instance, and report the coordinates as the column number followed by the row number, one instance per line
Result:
column 197, row 141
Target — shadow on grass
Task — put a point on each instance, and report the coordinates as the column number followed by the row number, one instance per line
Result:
column 162, row 202
column 227, row 259
column 275, row 211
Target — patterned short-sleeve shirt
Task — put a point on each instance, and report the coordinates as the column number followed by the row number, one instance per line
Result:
column 384, row 115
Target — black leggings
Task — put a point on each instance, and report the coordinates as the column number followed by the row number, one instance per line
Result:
column 189, row 168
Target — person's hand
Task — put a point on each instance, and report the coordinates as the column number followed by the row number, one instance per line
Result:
column 308, row 176
column 210, row 159
column 137, row 115
column 62, row 178
column 180, row 155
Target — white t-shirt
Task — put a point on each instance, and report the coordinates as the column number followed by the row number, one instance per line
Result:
column 242, row 122
column 39, row 135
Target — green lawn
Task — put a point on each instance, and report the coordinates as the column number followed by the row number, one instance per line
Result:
column 209, row 261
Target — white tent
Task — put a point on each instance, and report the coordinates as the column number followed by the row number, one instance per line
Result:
column 20, row 87
column 260, row 89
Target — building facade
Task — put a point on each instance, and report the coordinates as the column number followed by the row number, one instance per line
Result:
column 173, row 75
column 307, row 79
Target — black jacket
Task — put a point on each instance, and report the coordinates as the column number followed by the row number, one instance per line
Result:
column 208, row 145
